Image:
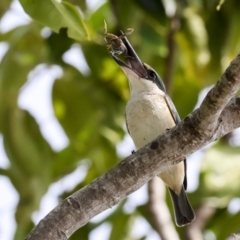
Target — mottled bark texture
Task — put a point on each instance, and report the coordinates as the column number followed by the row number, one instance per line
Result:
column 218, row 115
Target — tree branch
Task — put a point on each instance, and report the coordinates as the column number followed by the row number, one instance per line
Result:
column 203, row 214
column 234, row 236
column 215, row 118
column 159, row 210
column 219, row 96
column 171, row 46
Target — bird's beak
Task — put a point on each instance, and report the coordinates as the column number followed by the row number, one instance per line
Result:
column 134, row 62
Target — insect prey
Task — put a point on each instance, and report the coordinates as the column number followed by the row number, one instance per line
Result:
column 114, row 43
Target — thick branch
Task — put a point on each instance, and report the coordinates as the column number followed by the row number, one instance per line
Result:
column 203, row 126
column 219, row 96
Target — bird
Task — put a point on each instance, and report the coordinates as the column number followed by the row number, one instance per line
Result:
column 149, row 113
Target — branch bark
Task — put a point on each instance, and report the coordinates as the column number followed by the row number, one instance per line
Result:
column 203, row 214
column 234, row 236
column 159, row 210
column 171, row 46
column 217, row 116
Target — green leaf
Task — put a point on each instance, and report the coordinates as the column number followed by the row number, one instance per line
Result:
column 154, row 8
column 4, row 6
column 220, row 173
column 57, row 15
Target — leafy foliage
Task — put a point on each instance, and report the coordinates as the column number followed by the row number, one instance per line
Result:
column 90, row 107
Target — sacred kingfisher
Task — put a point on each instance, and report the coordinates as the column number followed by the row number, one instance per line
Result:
column 149, row 113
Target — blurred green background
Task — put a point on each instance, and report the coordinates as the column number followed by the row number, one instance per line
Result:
column 188, row 42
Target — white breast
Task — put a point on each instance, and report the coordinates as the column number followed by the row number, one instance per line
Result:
column 148, row 116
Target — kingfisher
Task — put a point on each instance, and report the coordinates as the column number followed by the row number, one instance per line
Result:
column 149, row 113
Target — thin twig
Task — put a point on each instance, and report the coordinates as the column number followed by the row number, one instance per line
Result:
column 171, row 44
column 203, row 214
column 159, row 210
column 234, row 236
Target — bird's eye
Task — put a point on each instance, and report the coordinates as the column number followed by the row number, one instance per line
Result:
column 152, row 74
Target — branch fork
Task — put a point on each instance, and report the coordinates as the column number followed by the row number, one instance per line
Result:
column 218, row 115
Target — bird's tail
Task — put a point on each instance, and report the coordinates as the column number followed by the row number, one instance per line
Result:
column 184, row 213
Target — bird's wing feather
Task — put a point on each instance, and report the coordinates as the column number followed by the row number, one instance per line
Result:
column 127, row 124
column 177, row 120
column 172, row 109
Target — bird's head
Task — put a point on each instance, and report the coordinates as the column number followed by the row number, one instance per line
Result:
column 140, row 75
